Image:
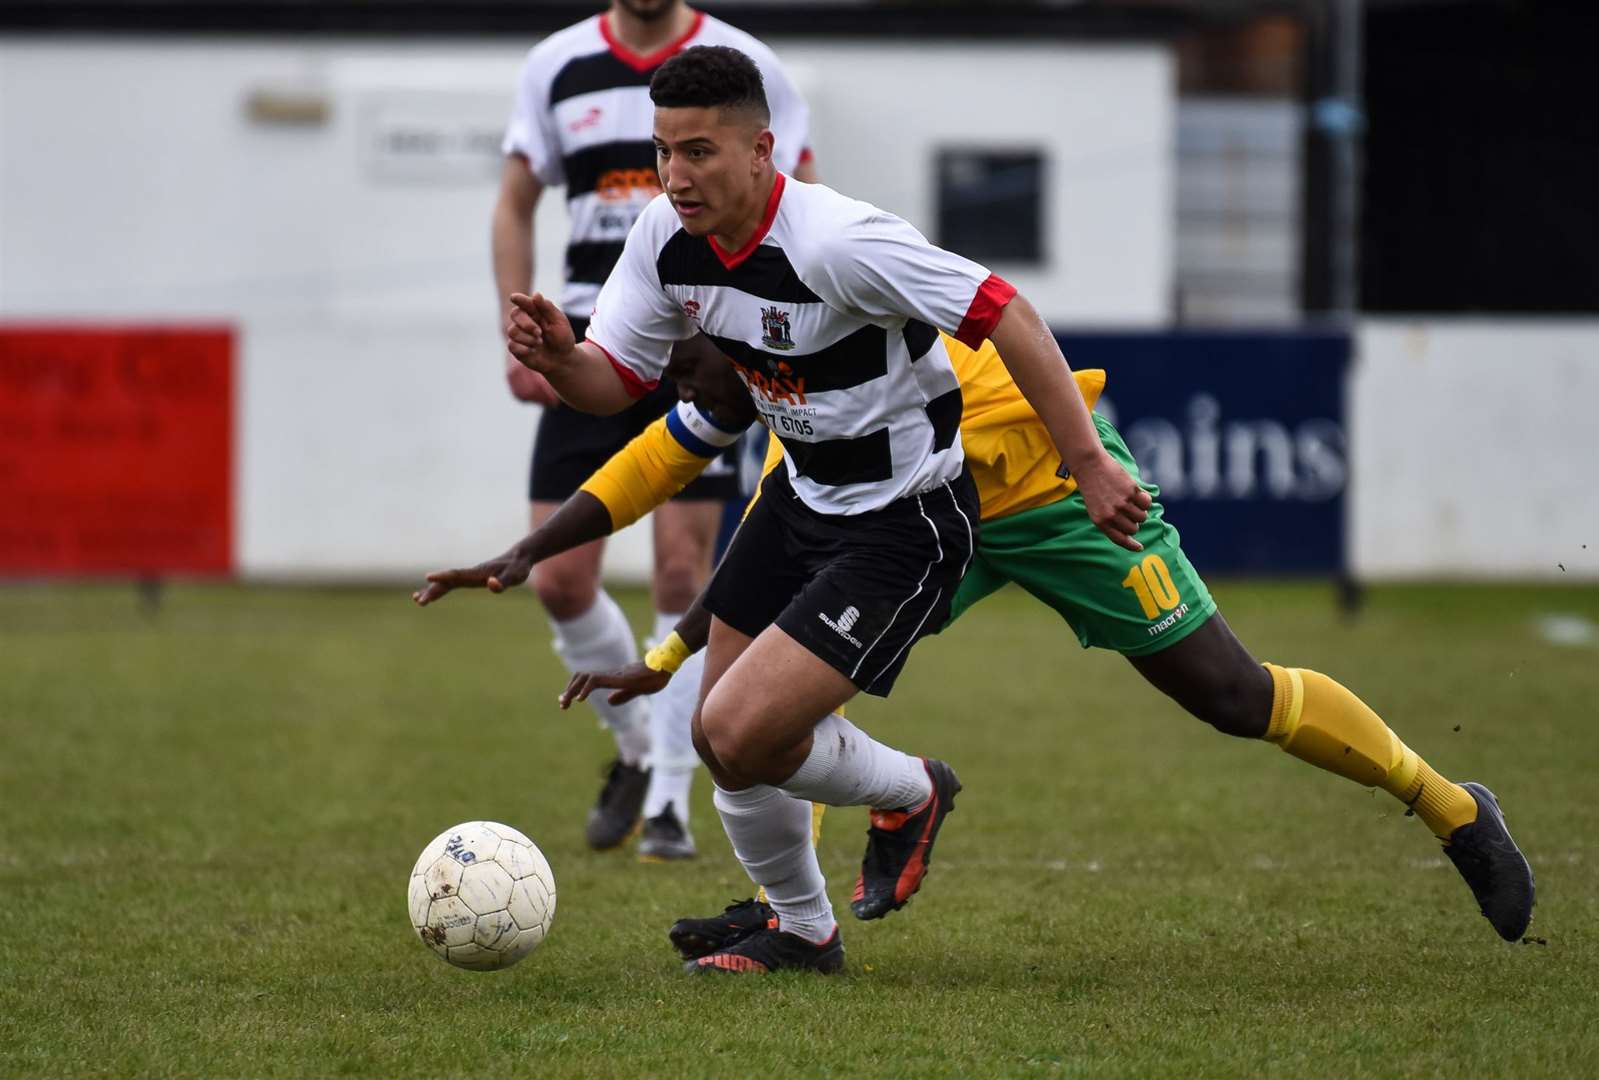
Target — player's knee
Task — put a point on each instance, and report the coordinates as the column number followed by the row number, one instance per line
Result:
column 702, row 745
column 733, row 742
column 1237, row 702
column 564, row 595
column 682, row 563
column 678, row 581
column 725, row 742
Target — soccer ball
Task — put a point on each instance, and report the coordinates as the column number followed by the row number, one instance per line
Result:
column 482, row 896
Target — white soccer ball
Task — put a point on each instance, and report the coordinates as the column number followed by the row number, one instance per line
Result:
column 482, row 896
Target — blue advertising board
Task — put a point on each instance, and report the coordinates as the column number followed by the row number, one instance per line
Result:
column 1244, row 432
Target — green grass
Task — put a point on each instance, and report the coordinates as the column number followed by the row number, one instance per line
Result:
column 207, row 817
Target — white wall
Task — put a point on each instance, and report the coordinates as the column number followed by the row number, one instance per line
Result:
column 1105, row 116
column 1474, row 444
column 376, row 437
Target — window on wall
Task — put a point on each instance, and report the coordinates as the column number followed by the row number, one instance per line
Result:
column 990, row 204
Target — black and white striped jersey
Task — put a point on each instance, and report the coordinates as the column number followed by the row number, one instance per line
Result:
column 828, row 313
column 583, row 118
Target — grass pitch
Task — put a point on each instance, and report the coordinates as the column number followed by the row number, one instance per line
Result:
column 207, row 817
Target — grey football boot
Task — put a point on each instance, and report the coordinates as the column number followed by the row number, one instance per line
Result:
column 1498, row 873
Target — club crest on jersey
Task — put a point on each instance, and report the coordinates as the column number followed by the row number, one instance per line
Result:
column 691, row 309
column 774, row 329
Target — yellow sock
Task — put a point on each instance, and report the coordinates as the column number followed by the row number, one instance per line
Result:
column 1317, row 720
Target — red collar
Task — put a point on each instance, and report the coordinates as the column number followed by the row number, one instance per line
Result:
column 655, row 59
column 730, row 261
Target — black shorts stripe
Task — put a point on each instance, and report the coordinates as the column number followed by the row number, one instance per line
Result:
column 952, row 533
column 919, row 339
column 585, row 167
column 591, row 263
column 856, row 591
column 945, row 413
column 917, row 592
column 598, row 71
column 853, row 360
column 767, row 273
column 865, row 459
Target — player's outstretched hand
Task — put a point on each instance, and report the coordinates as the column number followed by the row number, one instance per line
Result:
column 498, row 574
column 1116, row 504
column 538, row 334
column 626, row 683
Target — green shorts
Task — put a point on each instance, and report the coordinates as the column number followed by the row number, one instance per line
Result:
column 1131, row 602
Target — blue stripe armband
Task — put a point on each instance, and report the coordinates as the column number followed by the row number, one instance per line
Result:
column 694, row 429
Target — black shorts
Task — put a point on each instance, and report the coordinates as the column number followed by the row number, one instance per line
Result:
column 571, row 446
column 855, row 590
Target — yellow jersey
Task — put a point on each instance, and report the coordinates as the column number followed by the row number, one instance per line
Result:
column 1011, row 456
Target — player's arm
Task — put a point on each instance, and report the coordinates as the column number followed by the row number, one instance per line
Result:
column 651, row 674
column 511, row 240
column 1115, row 502
column 650, row 469
column 658, row 463
column 577, row 521
column 541, row 339
column 631, row 333
column 531, row 162
column 881, row 266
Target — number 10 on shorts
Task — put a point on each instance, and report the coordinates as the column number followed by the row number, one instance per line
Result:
column 1151, row 582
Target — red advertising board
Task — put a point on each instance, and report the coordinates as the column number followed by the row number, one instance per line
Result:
column 116, row 450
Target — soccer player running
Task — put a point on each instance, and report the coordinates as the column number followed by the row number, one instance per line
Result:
column 1035, row 532
column 856, row 546
column 582, row 119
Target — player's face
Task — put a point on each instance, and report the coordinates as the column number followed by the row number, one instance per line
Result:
column 712, row 163
column 648, row 10
column 705, row 376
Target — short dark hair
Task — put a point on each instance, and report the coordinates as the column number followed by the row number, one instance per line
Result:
column 710, row 77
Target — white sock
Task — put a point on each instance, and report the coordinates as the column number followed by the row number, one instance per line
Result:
column 672, row 758
column 771, row 835
column 601, row 640
column 847, row 767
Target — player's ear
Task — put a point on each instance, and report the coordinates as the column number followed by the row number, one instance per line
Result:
column 763, row 149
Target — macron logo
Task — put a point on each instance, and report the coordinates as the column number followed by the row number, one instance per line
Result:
column 844, row 624
column 1168, row 622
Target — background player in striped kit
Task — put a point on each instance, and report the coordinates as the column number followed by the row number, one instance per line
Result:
column 582, row 118
column 828, row 307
